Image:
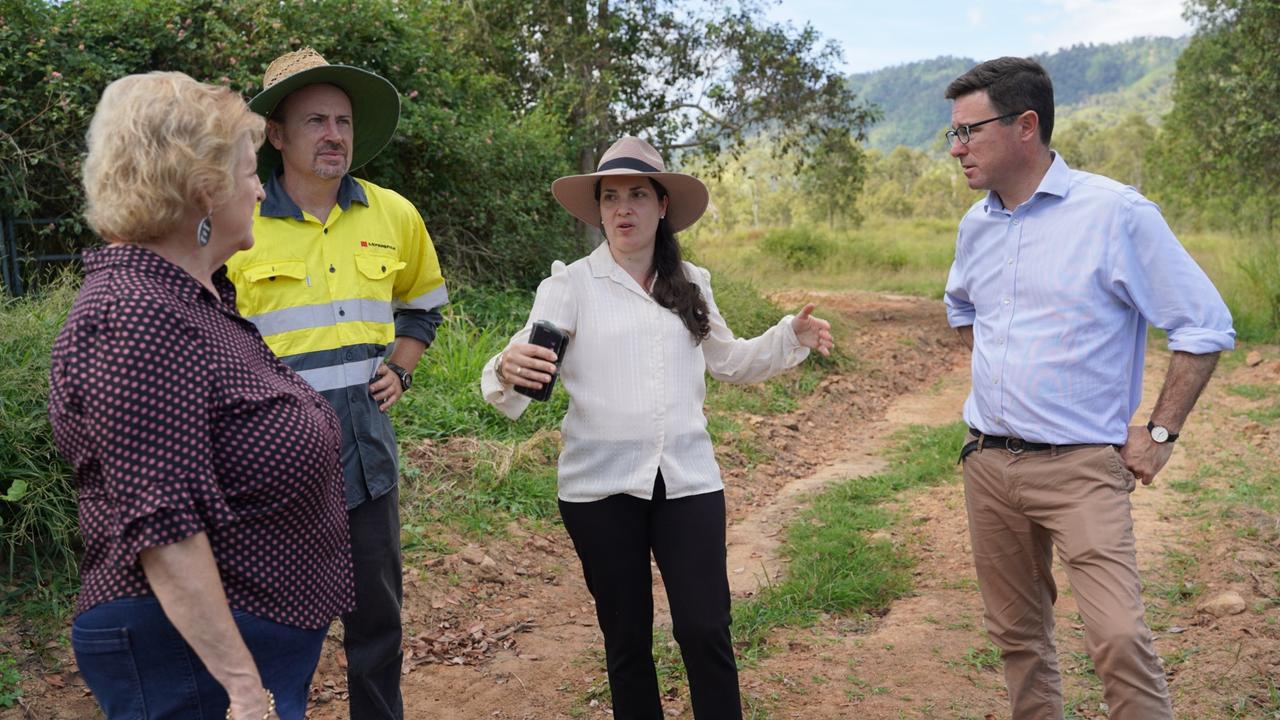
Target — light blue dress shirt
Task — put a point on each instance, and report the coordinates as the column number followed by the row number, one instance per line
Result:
column 1059, row 292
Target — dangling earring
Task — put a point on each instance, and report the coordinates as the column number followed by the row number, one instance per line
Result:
column 204, row 230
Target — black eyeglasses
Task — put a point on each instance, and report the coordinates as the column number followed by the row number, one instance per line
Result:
column 963, row 133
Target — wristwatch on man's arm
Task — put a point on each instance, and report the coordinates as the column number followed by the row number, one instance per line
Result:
column 406, row 377
column 1160, row 434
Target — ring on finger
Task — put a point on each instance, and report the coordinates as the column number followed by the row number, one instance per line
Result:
column 520, row 371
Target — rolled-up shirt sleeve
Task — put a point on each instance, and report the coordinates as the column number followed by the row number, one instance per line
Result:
column 554, row 303
column 740, row 360
column 960, row 309
column 1151, row 271
column 156, row 455
column 418, row 324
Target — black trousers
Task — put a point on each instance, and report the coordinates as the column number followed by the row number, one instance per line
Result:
column 614, row 537
column 372, row 638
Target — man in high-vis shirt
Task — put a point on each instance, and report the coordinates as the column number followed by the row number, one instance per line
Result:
column 340, row 268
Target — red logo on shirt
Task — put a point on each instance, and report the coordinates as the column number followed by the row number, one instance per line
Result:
column 364, row 243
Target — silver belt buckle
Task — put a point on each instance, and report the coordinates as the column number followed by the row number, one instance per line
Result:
column 1014, row 445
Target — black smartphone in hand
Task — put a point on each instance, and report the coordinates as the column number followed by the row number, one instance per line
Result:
column 556, row 340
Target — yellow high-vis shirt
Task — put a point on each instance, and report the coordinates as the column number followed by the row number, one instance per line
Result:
column 328, row 297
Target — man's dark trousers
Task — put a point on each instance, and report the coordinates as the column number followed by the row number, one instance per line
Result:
column 372, row 640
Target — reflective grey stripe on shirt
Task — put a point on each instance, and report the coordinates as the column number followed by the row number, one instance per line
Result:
column 335, row 377
column 306, row 317
column 425, row 301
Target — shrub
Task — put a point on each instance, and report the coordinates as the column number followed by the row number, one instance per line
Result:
column 799, row 248
column 477, row 170
column 38, row 529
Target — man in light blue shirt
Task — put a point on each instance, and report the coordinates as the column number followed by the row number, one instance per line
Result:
column 1056, row 276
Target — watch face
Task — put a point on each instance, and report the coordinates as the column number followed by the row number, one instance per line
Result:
column 1160, row 434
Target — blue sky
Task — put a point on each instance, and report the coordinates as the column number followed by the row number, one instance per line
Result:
column 892, row 32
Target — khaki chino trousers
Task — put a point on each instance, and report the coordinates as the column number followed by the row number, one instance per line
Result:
column 1023, row 505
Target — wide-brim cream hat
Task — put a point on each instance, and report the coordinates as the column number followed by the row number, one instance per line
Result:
column 687, row 195
column 375, row 104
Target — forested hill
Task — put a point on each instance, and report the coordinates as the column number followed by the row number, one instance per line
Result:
column 1103, row 83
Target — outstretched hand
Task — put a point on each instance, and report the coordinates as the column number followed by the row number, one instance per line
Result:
column 813, row 332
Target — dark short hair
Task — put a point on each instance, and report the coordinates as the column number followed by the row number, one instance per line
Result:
column 1014, row 85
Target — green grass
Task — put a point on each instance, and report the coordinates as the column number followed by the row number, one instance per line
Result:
column 446, row 400
column 835, row 566
column 1177, row 583
column 10, row 679
column 1172, row 660
column 1254, row 392
column 39, row 533
column 884, row 254
column 983, row 658
column 1266, row 415
column 912, row 256
column 38, row 527
column 475, row 488
column 1237, row 490
column 1260, row 704
column 1246, row 270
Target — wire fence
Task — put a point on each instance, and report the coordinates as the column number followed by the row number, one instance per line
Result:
column 23, row 267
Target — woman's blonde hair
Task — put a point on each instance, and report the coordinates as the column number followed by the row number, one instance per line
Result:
column 159, row 145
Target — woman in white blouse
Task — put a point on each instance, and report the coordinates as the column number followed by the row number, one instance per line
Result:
column 637, row 473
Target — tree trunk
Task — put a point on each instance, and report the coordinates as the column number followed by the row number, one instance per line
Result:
column 589, row 235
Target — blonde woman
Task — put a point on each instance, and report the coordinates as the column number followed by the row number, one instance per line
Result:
column 210, row 494
column 637, row 474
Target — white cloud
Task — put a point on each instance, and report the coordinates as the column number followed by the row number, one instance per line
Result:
column 1069, row 22
column 975, row 16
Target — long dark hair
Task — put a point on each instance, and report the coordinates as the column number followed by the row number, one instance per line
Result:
column 671, row 289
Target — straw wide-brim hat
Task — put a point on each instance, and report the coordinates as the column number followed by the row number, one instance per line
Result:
column 633, row 156
column 375, row 104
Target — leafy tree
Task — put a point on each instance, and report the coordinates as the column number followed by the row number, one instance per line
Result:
column 1216, row 159
column 700, row 79
column 835, row 179
column 1218, row 145
column 476, row 170
column 757, row 187
column 1120, row 151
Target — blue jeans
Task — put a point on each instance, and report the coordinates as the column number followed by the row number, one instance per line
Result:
column 139, row 667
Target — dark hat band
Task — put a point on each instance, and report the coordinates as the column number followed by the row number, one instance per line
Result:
column 627, row 163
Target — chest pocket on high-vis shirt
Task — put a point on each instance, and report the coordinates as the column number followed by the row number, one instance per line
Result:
column 274, row 285
column 272, row 271
column 379, row 270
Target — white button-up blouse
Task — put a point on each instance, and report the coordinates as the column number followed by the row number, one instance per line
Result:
column 635, row 379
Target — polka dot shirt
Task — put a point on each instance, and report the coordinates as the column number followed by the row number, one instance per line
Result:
column 178, row 419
